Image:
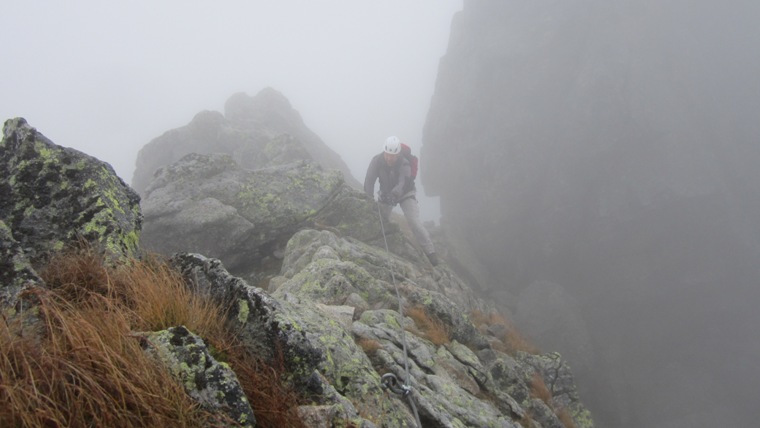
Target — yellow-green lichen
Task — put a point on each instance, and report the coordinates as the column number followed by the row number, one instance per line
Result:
column 428, row 300
column 90, row 183
column 245, row 194
column 392, row 321
column 19, row 266
column 132, row 241
column 243, row 311
column 582, row 417
column 43, row 150
column 185, row 372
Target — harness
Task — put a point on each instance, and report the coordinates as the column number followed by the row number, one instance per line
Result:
column 394, row 172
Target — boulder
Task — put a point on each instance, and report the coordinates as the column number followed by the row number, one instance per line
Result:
column 210, row 205
column 320, row 355
column 257, row 132
column 325, row 269
column 323, row 359
column 322, row 266
column 212, row 384
column 237, row 186
column 52, row 197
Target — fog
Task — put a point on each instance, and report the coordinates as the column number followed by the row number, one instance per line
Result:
column 612, row 190
column 627, row 166
column 105, row 78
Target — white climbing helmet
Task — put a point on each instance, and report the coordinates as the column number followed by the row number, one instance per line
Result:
column 392, row 145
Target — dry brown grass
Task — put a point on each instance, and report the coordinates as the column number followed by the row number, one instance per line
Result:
column 481, row 320
column 161, row 299
column 511, row 341
column 83, row 366
column 273, row 402
column 85, row 370
column 370, row 346
column 539, row 390
column 565, row 418
column 527, row 421
column 514, row 342
column 429, row 326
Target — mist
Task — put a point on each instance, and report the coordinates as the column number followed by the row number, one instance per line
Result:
column 610, row 191
column 107, row 78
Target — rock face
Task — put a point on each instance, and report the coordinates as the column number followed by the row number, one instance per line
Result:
column 612, row 150
column 16, row 271
column 236, row 187
column 340, row 361
column 373, row 338
column 209, row 204
column 51, row 197
column 258, row 131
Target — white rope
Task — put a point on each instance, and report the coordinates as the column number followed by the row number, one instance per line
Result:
column 406, row 389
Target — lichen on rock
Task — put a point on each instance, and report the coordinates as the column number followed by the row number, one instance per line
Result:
column 339, row 317
column 51, row 196
column 208, row 204
column 212, row 384
column 16, row 272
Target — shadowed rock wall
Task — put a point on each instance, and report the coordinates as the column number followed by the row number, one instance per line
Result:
column 610, row 149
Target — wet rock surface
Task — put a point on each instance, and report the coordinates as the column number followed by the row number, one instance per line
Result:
column 52, row 196
column 342, row 313
column 213, row 385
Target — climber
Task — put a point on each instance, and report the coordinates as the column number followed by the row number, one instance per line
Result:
column 397, row 187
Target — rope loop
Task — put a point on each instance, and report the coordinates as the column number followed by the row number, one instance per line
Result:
column 390, row 381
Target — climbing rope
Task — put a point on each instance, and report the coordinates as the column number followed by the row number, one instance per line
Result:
column 390, row 380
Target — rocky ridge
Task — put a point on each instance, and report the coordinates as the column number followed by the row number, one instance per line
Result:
column 332, row 295
column 257, row 131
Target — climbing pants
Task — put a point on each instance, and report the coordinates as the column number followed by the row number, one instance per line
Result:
column 411, row 209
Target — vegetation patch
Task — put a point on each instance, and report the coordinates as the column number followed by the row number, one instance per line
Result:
column 76, row 361
column 429, row 326
column 510, row 341
column 369, row 346
column 538, row 389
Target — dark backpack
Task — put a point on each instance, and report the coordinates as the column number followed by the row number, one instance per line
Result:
column 414, row 162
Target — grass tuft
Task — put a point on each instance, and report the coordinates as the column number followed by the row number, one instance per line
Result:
column 539, row 390
column 82, row 365
column 429, row 326
column 511, row 341
column 273, row 401
column 565, row 418
column 370, row 346
column 85, row 370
